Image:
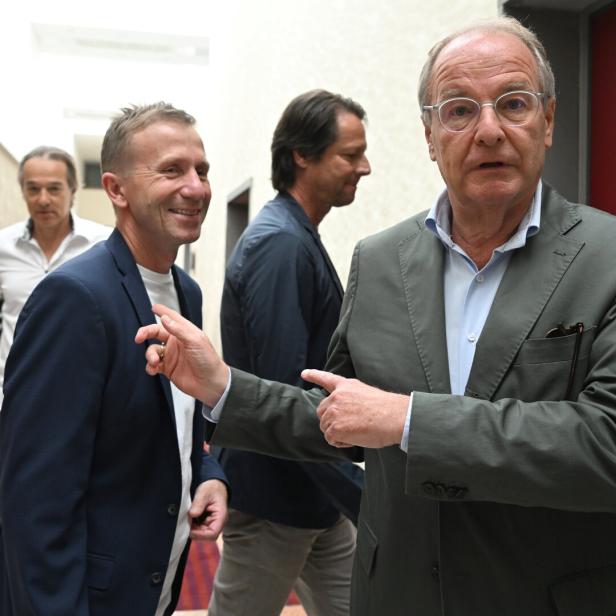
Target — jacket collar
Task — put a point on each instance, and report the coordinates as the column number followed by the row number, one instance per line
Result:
column 532, row 275
column 297, row 211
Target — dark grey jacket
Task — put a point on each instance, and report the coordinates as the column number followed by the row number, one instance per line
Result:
column 506, row 501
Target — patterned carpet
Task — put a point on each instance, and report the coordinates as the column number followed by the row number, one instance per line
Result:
column 199, row 576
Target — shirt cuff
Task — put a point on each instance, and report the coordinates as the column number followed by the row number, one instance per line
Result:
column 404, row 443
column 213, row 414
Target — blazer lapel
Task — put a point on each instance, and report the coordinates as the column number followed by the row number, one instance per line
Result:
column 185, row 308
column 330, row 265
column 532, row 275
column 422, row 262
column 138, row 296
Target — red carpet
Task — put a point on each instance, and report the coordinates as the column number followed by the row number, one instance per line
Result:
column 199, row 577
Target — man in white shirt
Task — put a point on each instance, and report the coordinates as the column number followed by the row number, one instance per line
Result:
column 49, row 237
column 98, row 462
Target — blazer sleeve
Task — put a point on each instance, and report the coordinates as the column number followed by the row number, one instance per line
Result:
column 211, row 469
column 279, row 419
column 276, row 287
column 47, row 431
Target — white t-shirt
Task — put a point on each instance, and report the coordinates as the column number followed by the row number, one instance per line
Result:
column 161, row 290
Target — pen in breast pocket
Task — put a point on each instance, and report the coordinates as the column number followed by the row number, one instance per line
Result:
column 561, row 330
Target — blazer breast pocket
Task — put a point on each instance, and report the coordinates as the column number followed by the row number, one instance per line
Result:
column 543, row 368
column 99, row 571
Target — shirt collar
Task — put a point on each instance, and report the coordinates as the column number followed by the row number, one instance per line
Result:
column 27, row 234
column 438, row 221
column 76, row 228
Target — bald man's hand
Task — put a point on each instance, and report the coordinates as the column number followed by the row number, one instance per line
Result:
column 187, row 357
column 357, row 414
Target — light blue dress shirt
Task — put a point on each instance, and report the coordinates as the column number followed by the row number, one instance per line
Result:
column 469, row 291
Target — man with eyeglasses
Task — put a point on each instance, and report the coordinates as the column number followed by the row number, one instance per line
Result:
column 474, row 366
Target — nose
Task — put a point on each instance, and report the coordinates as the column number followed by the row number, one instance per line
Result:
column 43, row 197
column 196, row 187
column 363, row 168
column 489, row 130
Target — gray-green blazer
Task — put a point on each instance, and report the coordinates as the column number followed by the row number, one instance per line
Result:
column 505, row 504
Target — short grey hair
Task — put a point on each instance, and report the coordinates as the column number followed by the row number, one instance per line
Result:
column 49, row 152
column 130, row 121
column 508, row 25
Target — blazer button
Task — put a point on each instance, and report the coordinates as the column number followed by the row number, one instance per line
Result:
column 462, row 492
column 456, row 492
column 172, row 509
column 429, row 489
column 438, row 490
column 156, row 579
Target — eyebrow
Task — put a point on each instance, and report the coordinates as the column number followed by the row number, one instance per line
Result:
column 459, row 92
column 452, row 93
column 35, row 183
column 180, row 161
column 355, row 147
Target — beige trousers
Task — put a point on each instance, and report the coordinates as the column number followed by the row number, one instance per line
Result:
column 262, row 562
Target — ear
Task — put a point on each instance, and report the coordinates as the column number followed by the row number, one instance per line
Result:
column 73, row 191
column 428, row 135
column 114, row 187
column 299, row 160
column 550, row 110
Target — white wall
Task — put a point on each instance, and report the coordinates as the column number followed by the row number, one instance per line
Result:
column 262, row 54
column 265, row 53
column 41, row 88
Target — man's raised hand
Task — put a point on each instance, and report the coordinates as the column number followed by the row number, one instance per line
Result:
column 189, row 360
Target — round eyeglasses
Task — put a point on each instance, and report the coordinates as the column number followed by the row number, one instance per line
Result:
column 512, row 108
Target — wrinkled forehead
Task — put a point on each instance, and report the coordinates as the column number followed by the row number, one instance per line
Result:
column 479, row 57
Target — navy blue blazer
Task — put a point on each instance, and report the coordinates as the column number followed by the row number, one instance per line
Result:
column 281, row 303
column 90, row 478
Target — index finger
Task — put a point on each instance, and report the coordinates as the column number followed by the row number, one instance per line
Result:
column 183, row 329
column 155, row 331
column 162, row 310
column 171, row 322
column 326, row 380
column 209, row 529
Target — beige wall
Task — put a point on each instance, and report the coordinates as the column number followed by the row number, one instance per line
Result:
column 265, row 53
column 94, row 204
column 12, row 206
